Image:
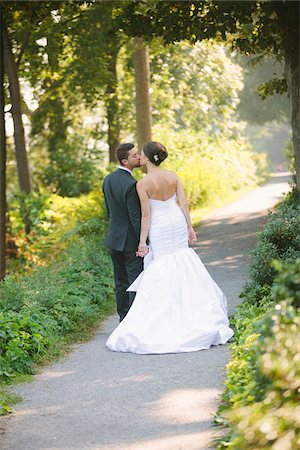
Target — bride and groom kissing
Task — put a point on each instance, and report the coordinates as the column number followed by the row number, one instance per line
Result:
column 166, row 300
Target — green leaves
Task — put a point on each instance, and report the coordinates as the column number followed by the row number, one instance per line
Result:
column 260, row 404
column 20, row 342
column 280, row 239
column 272, row 87
column 67, row 297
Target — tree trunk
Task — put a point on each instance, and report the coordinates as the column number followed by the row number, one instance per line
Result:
column 293, row 77
column 15, row 96
column 2, row 160
column 290, row 40
column 111, row 103
column 142, row 94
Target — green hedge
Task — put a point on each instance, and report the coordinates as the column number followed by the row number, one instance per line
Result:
column 260, row 404
column 41, row 312
column 280, row 239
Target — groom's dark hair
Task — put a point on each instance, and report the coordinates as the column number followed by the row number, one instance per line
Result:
column 122, row 151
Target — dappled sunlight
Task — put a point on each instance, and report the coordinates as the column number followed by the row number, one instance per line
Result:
column 42, row 411
column 138, row 378
column 231, row 262
column 191, row 441
column 57, row 374
column 122, row 381
column 184, row 406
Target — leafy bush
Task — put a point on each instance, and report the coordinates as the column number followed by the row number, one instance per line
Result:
column 21, row 339
column 72, row 166
column 288, row 283
column 54, row 219
column 260, row 406
column 280, row 239
column 260, row 403
column 40, row 310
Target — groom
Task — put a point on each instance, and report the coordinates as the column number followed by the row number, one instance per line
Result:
column 124, row 213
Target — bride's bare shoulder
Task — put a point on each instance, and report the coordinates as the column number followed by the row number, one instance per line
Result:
column 143, row 181
column 143, row 184
column 171, row 174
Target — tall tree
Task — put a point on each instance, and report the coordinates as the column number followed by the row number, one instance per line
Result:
column 2, row 158
column 86, row 41
column 289, row 27
column 142, row 91
column 96, row 42
column 111, row 104
column 262, row 27
column 16, row 110
column 20, row 21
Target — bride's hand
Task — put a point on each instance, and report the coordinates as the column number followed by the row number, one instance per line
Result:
column 142, row 250
column 192, row 236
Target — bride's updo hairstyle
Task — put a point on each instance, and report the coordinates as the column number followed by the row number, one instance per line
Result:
column 155, row 151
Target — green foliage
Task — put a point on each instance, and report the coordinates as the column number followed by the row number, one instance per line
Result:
column 196, row 88
column 54, row 220
column 71, row 72
column 72, row 168
column 194, row 98
column 261, row 399
column 210, row 170
column 262, row 389
column 7, row 400
column 35, row 205
column 280, row 239
column 287, row 286
column 21, row 341
column 274, row 86
column 51, row 306
column 252, row 27
column 67, row 72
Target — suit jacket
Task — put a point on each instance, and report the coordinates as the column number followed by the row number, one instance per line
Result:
column 124, row 211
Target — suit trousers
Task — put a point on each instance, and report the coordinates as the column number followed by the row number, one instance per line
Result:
column 127, row 267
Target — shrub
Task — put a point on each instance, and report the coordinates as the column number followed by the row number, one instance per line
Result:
column 280, row 239
column 21, row 339
column 54, row 220
column 41, row 309
column 260, row 406
column 288, row 283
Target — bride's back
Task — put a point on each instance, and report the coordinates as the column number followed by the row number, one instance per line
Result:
column 161, row 185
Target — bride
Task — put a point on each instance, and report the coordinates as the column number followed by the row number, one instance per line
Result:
column 178, row 307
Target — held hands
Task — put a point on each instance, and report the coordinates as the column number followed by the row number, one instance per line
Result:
column 142, row 250
column 192, row 235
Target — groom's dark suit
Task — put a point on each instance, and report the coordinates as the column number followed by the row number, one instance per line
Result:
column 122, row 238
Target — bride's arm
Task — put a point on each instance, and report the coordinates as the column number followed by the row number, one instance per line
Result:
column 184, row 206
column 145, row 222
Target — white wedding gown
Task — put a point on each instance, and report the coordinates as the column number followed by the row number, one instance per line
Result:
column 178, row 307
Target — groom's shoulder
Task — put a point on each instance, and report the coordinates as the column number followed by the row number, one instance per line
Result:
column 112, row 175
column 119, row 177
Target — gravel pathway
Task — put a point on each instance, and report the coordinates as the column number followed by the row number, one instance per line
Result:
column 98, row 400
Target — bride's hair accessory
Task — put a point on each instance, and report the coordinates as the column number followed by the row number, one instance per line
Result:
column 155, row 151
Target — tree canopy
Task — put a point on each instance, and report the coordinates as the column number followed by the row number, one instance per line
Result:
column 262, row 27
